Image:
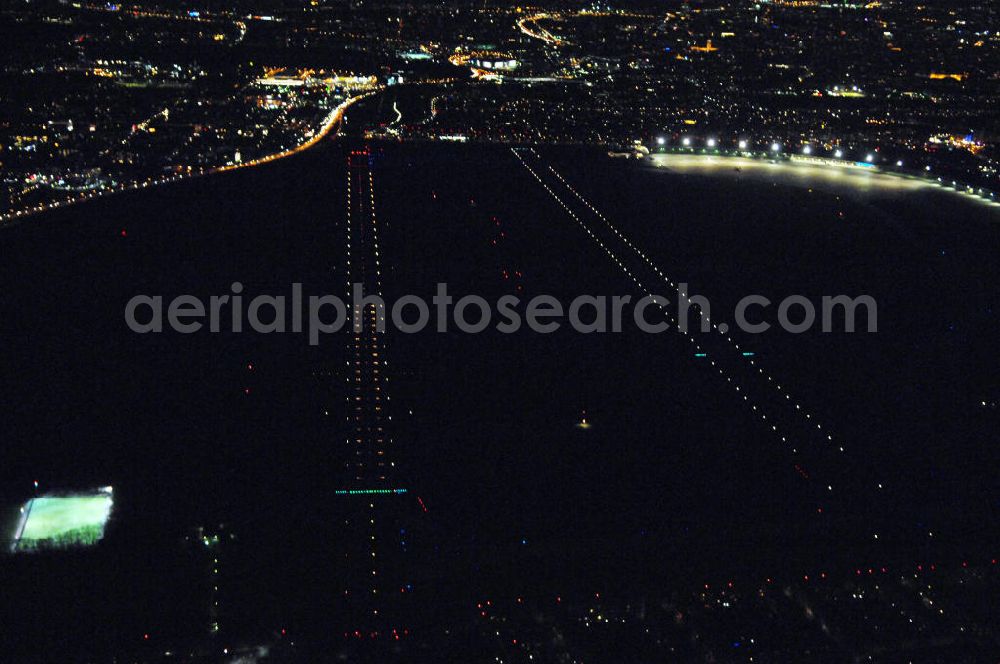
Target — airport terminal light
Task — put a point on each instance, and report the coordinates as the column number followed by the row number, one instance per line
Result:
column 743, row 145
column 775, row 147
column 807, row 150
column 686, row 141
column 711, row 142
column 838, row 154
column 869, row 158
column 899, row 163
column 660, row 140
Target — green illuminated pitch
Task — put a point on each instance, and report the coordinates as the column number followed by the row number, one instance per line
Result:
column 62, row 521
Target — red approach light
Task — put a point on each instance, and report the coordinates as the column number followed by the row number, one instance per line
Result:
column 123, row 233
column 145, row 637
column 249, row 366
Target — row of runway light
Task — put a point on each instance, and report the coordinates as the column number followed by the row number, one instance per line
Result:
column 723, row 332
column 364, row 360
column 756, row 409
column 661, row 304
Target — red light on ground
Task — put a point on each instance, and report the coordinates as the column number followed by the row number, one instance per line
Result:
column 145, row 637
column 123, row 233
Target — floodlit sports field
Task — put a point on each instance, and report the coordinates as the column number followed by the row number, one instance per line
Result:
column 59, row 521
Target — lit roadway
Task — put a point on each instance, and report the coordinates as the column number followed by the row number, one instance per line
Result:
column 538, row 32
column 330, row 122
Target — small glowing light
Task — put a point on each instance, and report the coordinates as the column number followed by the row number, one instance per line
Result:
column 686, row 141
column 899, row 163
column 743, row 145
column 775, row 147
column 807, row 150
column 660, row 140
column 927, row 167
column 869, row 157
column 711, row 142
column 838, row 154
